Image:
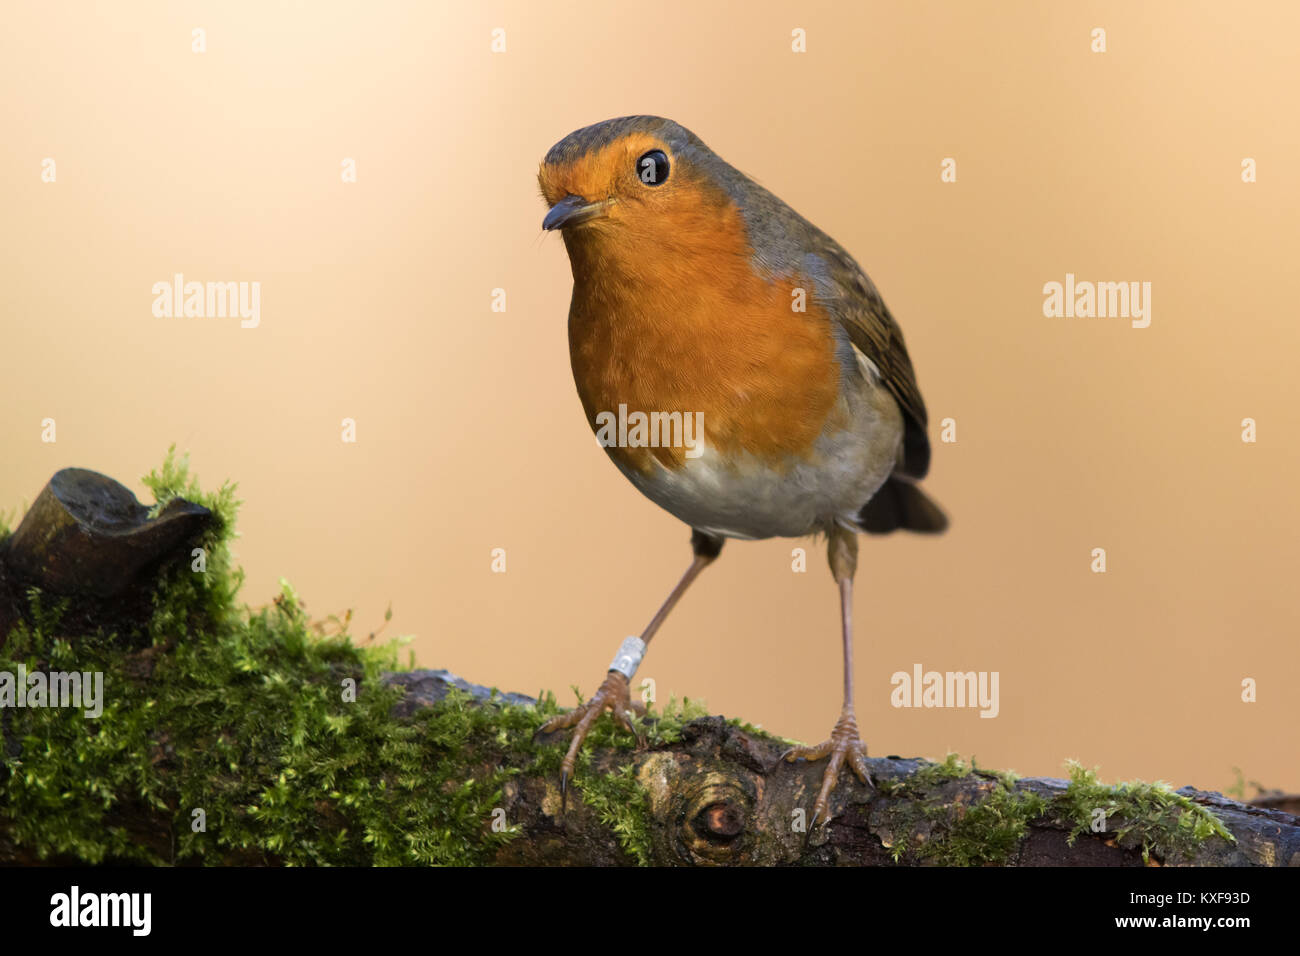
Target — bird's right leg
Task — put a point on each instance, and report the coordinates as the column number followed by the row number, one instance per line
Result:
column 613, row 694
column 844, row 745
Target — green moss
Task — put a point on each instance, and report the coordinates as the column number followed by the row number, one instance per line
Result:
column 988, row 832
column 924, row 778
column 244, row 715
column 932, row 823
column 622, row 804
column 952, row 768
column 665, row 726
column 1146, row 815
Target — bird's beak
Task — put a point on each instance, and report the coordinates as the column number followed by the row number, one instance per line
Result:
column 572, row 210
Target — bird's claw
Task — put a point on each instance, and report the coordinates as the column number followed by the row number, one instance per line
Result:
column 612, row 695
column 844, row 745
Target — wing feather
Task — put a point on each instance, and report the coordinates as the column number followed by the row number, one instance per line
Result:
column 858, row 307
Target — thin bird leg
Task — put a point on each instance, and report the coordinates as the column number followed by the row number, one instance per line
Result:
column 613, row 694
column 844, row 743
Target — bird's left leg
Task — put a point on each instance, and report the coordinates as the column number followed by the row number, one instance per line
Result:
column 844, row 743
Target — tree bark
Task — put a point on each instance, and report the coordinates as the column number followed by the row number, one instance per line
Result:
column 87, row 539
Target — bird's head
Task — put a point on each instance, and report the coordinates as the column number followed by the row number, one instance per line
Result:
column 634, row 186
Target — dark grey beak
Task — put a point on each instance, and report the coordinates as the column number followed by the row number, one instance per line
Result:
column 572, row 210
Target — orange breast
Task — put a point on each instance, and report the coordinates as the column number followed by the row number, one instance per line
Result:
column 668, row 315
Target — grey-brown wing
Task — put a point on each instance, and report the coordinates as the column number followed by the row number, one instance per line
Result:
column 858, row 307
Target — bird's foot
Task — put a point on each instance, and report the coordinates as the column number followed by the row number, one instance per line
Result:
column 844, row 745
column 612, row 696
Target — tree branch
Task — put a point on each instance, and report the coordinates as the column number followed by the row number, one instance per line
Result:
column 240, row 716
column 720, row 796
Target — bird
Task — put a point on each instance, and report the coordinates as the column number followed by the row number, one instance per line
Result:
column 699, row 294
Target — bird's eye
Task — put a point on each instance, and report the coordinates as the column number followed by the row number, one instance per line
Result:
column 652, row 168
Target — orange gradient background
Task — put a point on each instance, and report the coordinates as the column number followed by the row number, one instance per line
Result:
column 1072, row 433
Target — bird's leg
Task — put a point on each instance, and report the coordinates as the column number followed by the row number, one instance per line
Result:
column 844, row 743
column 613, row 693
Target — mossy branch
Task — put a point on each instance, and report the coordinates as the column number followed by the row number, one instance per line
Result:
column 231, row 735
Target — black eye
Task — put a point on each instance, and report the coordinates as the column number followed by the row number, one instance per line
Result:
column 652, row 168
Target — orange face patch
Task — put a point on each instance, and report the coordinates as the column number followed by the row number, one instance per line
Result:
column 600, row 174
column 668, row 314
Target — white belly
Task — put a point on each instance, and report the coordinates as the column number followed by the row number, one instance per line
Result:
column 748, row 498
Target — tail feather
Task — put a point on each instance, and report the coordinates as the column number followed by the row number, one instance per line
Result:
column 899, row 504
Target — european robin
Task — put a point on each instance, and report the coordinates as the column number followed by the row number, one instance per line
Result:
column 740, row 369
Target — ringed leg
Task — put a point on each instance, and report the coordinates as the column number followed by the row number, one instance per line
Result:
column 844, row 744
column 613, row 694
